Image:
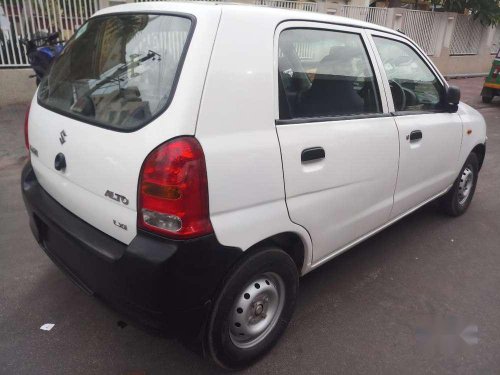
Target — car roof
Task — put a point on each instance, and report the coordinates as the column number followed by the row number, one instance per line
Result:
column 250, row 10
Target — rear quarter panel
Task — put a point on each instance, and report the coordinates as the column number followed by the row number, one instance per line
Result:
column 237, row 132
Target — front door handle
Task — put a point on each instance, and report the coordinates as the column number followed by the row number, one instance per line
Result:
column 313, row 153
column 415, row 135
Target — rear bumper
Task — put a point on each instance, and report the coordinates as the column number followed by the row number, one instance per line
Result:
column 162, row 283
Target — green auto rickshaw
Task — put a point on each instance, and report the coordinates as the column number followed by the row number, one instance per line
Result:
column 491, row 85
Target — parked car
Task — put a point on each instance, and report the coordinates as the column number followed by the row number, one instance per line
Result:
column 188, row 166
column 491, row 87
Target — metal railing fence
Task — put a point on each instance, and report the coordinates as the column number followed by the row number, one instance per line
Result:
column 424, row 28
column 212, row 1
column 466, row 37
column 286, row 4
column 297, row 5
column 24, row 18
column 368, row 14
column 495, row 43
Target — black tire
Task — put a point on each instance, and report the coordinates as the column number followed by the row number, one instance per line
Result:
column 220, row 340
column 487, row 99
column 453, row 202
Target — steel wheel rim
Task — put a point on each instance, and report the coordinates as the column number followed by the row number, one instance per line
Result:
column 256, row 310
column 465, row 185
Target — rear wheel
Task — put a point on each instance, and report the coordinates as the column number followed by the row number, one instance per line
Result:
column 253, row 309
column 487, row 99
column 458, row 199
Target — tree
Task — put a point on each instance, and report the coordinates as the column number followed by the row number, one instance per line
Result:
column 486, row 11
column 394, row 3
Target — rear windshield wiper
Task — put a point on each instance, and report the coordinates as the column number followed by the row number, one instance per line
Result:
column 122, row 70
column 84, row 103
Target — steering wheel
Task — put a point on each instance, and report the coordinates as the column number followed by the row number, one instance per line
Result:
column 398, row 94
column 411, row 97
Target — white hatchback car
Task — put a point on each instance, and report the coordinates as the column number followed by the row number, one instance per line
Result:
column 189, row 162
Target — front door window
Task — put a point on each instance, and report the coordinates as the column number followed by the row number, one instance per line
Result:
column 413, row 85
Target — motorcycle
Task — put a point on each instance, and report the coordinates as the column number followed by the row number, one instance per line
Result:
column 41, row 50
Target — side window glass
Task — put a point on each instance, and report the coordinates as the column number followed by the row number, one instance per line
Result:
column 323, row 74
column 413, row 85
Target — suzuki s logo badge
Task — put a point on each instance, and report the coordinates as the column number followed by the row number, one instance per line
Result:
column 62, row 137
column 116, row 197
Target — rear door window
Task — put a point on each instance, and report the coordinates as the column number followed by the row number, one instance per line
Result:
column 325, row 73
column 118, row 71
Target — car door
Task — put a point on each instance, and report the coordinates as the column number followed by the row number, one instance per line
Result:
column 338, row 141
column 430, row 137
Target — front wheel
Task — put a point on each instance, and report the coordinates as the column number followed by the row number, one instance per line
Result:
column 253, row 308
column 458, row 199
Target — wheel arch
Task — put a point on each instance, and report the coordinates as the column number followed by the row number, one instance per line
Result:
column 290, row 242
column 480, row 151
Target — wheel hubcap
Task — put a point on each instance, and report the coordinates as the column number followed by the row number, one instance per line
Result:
column 256, row 310
column 465, row 185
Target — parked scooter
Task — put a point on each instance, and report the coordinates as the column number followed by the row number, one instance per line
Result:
column 42, row 49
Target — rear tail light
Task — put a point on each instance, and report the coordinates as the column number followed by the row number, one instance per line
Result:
column 173, row 190
column 26, row 128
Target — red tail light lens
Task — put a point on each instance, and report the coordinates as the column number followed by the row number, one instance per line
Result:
column 173, row 190
column 26, row 128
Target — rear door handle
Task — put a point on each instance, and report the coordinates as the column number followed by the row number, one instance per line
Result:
column 415, row 135
column 313, row 153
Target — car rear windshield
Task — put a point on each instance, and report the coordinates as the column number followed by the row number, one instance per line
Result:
column 118, row 71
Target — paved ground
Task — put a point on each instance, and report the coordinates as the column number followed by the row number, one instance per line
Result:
column 396, row 304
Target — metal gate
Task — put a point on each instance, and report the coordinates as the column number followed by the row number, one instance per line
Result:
column 287, row 4
column 466, row 37
column 368, row 14
column 24, row 18
column 424, row 27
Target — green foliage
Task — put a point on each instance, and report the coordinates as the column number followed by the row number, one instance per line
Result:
column 486, row 11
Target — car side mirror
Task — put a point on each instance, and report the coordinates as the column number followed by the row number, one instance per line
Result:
column 452, row 98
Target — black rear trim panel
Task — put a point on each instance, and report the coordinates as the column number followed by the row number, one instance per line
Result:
column 164, row 283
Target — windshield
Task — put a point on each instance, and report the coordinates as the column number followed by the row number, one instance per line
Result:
column 118, row 71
